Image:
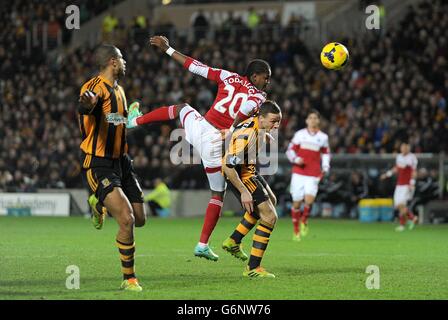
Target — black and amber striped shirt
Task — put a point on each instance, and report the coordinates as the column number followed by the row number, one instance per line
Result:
column 243, row 149
column 103, row 128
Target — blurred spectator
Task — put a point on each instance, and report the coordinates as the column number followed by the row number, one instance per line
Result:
column 253, row 18
column 159, row 200
column 110, row 23
column 200, row 25
column 426, row 189
column 53, row 30
column 331, row 197
column 357, row 190
column 139, row 30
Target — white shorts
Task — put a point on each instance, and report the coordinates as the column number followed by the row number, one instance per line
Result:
column 201, row 134
column 402, row 195
column 303, row 185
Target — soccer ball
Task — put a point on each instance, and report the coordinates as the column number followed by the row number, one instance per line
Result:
column 334, row 56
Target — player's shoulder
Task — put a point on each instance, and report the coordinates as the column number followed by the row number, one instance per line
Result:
column 96, row 84
column 119, row 87
column 248, row 123
column 259, row 94
column 322, row 135
column 226, row 74
column 413, row 156
column 298, row 135
column 302, row 132
column 91, row 82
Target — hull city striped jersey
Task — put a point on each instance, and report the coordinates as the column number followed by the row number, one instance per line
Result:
column 103, row 127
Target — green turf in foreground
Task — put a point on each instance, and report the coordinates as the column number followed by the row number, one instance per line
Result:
column 329, row 264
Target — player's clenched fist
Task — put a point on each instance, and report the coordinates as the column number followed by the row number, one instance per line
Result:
column 160, row 42
column 88, row 99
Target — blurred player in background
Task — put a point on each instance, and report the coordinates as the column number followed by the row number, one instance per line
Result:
column 310, row 155
column 257, row 198
column 106, row 166
column 406, row 168
column 237, row 98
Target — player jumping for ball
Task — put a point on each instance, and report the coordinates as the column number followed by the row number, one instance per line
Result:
column 238, row 97
column 310, row 155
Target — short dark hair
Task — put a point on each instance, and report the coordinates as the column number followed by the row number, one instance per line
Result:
column 313, row 111
column 104, row 53
column 257, row 66
column 269, row 106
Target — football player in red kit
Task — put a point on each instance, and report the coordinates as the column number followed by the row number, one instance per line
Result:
column 310, row 156
column 406, row 169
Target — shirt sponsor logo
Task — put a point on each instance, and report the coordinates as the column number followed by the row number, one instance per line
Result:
column 105, row 182
column 115, row 118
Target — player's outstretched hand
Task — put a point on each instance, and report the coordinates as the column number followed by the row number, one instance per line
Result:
column 246, row 200
column 88, row 99
column 160, row 42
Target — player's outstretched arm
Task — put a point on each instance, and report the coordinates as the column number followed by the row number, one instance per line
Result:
column 192, row 65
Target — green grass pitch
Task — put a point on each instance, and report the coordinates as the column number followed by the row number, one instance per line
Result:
column 329, row 264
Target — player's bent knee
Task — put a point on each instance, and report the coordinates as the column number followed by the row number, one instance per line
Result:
column 271, row 218
column 268, row 213
column 127, row 220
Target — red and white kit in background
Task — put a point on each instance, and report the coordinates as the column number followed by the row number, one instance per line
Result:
column 236, row 95
column 313, row 149
column 405, row 165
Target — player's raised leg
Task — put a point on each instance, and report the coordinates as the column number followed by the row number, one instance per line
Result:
column 120, row 208
column 164, row 113
column 99, row 212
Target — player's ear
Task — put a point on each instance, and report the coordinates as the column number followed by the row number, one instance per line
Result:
column 253, row 77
